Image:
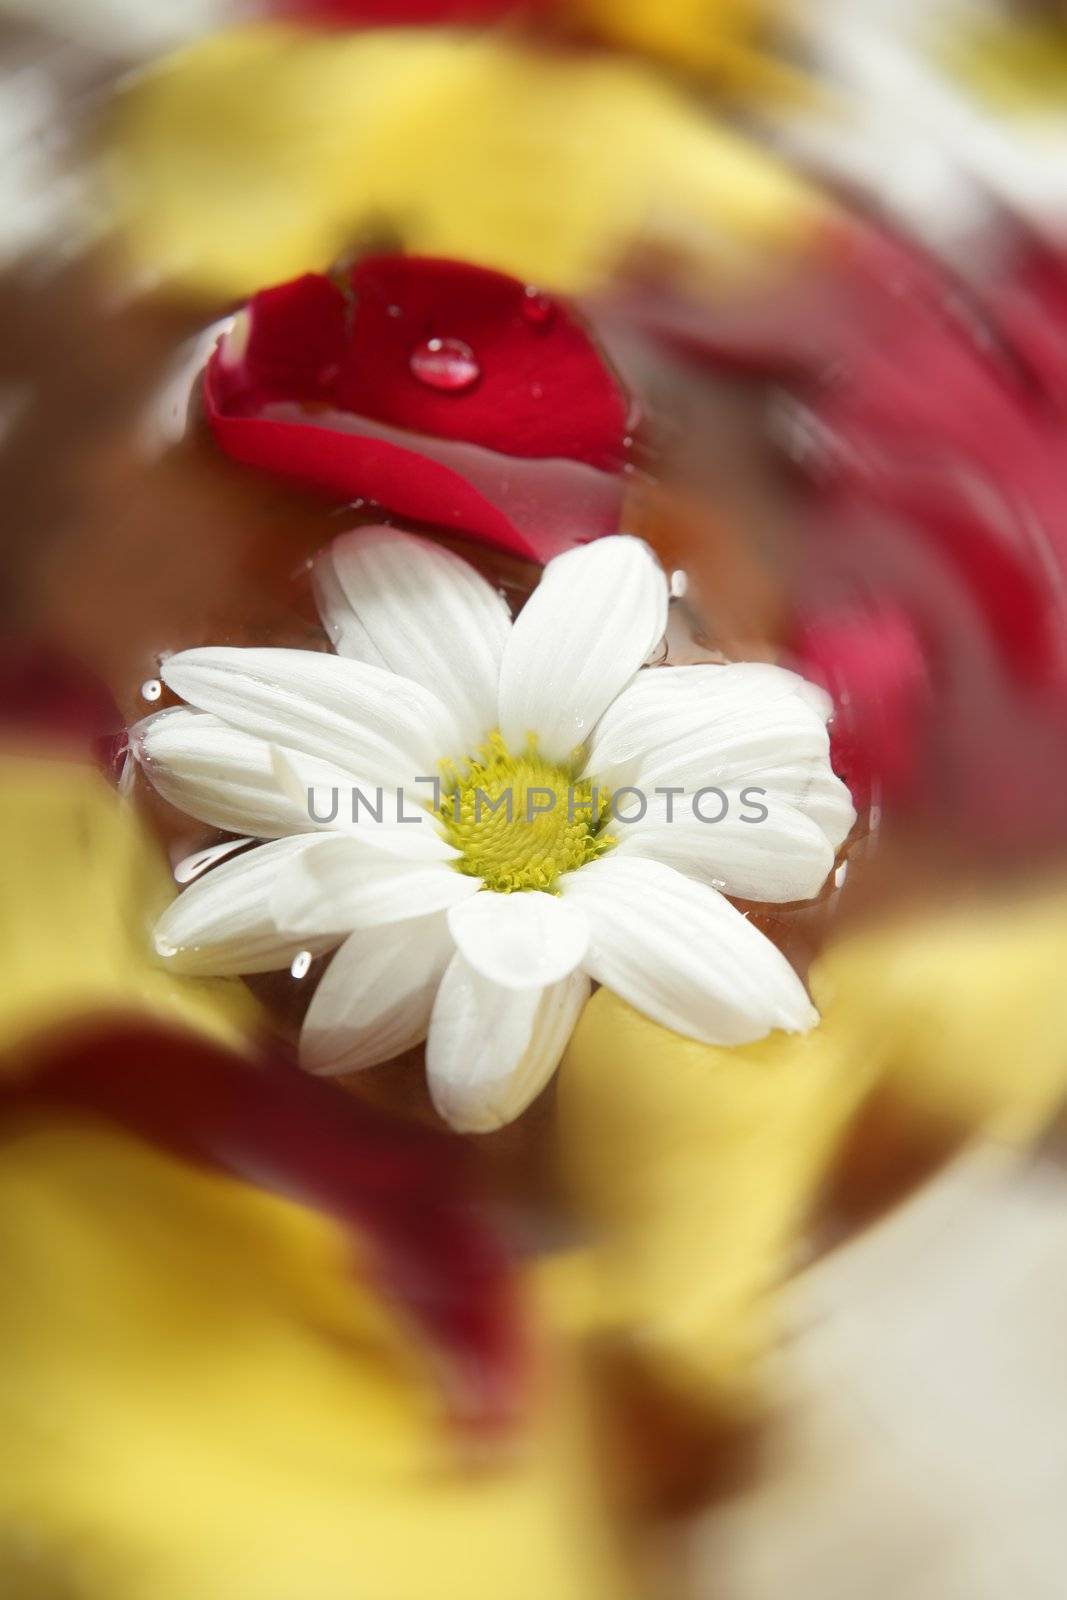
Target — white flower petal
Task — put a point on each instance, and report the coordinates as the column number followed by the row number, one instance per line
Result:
column 525, row 940
column 361, row 719
column 730, row 727
column 383, row 818
column 345, row 885
column 375, row 998
column 668, row 712
column 233, row 780
column 491, row 1050
column 683, row 955
column 221, row 924
column 818, row 698
column 593, row 619
column 400, row 602
column 813, row 787
column 780, row 856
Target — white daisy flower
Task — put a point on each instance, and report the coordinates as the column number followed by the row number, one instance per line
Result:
column 483, row 881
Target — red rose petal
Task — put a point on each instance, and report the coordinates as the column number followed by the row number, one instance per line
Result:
column 404, row 13
column 929, row 411
column 429, row 388
column 402, row 1191
column 872, row 662
column 49, row 699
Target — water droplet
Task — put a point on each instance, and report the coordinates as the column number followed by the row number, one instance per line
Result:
column 301, row 964
column 200, row 860
column 840, row 875
column 720, row 884
column 679, row 583
column 394, row 311
column 537, row 308
column 536, row 391
column 445, row 364
column 151, row 689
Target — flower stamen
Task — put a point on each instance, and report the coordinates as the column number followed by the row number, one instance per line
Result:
column 519, row 821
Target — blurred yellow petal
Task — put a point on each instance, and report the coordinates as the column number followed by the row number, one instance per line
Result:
column 198, row 1398
column 82, row 886
column 1019, row 65
column 695, row 1166
column 262, row 153
column 724, row 39
column 969, row 1008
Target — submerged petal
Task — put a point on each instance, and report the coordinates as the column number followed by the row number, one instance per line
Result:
column 520, row 941
column 236, row 781
column 727, row 726
column 222, row 923
column 345, row 884
column 375, row 999
column 761, row 849
column 380, row 817
column 491, row 1050
column 682, row 954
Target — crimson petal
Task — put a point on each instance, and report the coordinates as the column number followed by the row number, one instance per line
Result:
column 403, row 13
column 444, row 392
column 50, row 699
column 873, row 662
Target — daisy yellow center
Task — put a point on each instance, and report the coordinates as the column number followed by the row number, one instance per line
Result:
column 519, row 821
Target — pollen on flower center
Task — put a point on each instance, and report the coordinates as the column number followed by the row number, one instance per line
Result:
column 521, row 822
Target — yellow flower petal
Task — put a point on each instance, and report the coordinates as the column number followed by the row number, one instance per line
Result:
column 198, row 1398
column 1017, row 65
column 262, row 153
column 696, row 1165
column 969, row 1009
column 82, row 885
column 723, row 39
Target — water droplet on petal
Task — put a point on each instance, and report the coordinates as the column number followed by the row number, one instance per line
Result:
column 445, row 364
column 200, row 860
column 151, row 689
column 301, row 964
column 537, row 308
